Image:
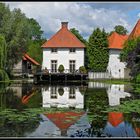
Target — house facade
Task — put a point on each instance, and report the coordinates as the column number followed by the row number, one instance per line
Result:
column 63, row 48
column 116, row 68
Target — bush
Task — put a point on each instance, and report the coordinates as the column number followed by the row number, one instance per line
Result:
column 61, row 91
column 61, row 68
column 82, row 70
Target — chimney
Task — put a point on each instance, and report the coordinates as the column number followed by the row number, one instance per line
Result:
column 64, row 24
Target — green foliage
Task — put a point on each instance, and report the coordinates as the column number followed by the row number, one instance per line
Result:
column 19, row 31
column 3, row 52
column 127, row 107
column 98, row 50
column 3, row 76
column 130, row 54
column 78, row 35
column 82, row 70
column 120, row 29
column 61, row 68
column 129, row 46
column 138, row 78
column 35, row 51
column 61, row 91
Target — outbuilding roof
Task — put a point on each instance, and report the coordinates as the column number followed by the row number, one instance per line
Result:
column 136, row 31
column 116, row 41
column 27, row 57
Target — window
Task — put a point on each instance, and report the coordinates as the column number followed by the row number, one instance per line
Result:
column 72, row 93
column 53, row 50
column 53, row 93
column 72, row 50
column 54, row 66
column 72, row 65
column 29, row 65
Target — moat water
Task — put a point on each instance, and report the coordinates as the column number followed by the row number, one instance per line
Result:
column 66, row 110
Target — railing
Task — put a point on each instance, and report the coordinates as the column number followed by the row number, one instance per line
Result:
column 98, row 75
column 57, row 71
column 20, row 71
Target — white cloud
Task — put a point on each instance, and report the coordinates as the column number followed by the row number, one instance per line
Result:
column 138, row 15
column 82, row 16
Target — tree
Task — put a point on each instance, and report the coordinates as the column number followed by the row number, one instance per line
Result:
column 35, row 51
column 120, row 30
column 3, row 52
column 20, row 34
column 129, row 46
column 98, row 50
column 3, row 59
column 35, row 29
column 133, row 59
column 79, row 36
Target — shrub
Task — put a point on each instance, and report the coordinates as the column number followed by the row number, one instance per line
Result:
column 61, row 68
column 82, row 70
column 61, row 91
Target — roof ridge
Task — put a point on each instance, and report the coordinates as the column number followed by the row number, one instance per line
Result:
column 131, row 36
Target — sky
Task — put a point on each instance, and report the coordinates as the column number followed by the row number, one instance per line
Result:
column 84, row 16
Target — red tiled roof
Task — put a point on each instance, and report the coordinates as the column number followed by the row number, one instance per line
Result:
column 137, row 131
column 116, row 41
column 136, row 31
column 63, row 120
column 24, row 58
column 27, row 57
column 115, row 118
column 26, row 98
column 63, row 39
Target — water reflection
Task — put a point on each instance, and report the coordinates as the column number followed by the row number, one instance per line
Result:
column 88, row 121
column 66, row 96
column 116, row 93
column 117, row 126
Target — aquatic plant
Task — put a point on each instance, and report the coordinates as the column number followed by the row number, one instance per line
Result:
column 126, row 107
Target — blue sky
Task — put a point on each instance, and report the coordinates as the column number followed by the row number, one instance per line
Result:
column 84, row 16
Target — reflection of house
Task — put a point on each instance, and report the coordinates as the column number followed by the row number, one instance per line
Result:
column 62, row 97
column 116, row 68
column 117, row 127
column 63, row 48
column 115, row 93
column 23, row 91
column 64, row 124
column 25, row 66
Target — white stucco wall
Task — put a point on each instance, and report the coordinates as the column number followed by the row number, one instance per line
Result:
column 63, row 56
column 114, row 64
column 62, row 100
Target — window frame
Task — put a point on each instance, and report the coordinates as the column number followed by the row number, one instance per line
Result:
column 54, row 50
column 72, row 50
